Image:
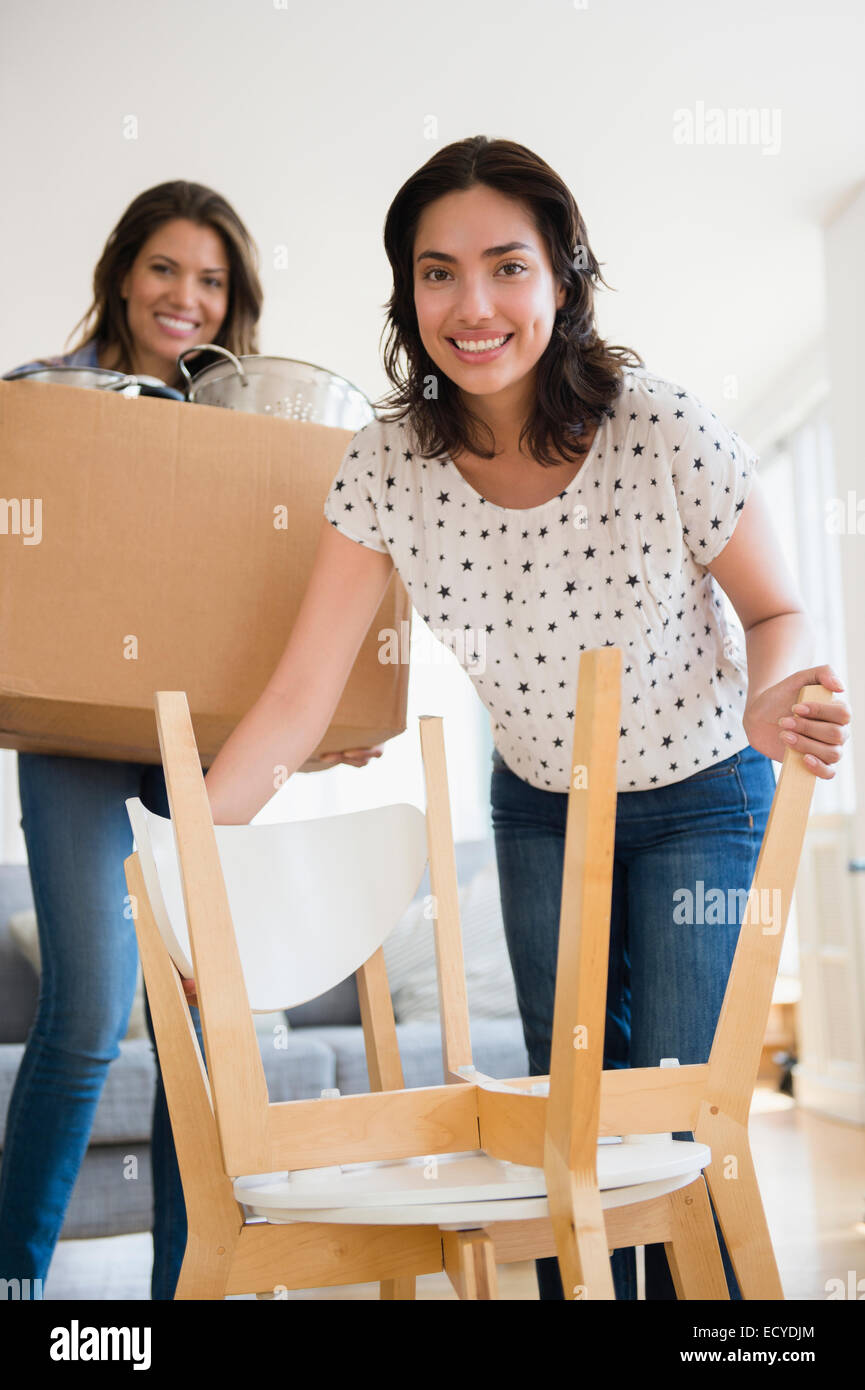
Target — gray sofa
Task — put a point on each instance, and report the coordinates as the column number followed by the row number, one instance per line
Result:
column 324, row 1049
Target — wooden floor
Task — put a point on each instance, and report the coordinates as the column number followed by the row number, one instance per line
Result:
column 811, row 1172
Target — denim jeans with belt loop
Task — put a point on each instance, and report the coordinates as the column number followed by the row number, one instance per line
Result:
column 669, row 958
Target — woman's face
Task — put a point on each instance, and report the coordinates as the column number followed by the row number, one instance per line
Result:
column 176, row 294
column 482, row 274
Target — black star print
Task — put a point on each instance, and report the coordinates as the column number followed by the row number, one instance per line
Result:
column 674, row 519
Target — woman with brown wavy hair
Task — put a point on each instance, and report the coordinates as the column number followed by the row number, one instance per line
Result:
column 548, row 494
column 179, row 268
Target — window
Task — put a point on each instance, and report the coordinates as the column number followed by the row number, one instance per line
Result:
column 798, row 477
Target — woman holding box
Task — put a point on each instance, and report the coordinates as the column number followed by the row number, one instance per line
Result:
column 533, row 483
column 179, row 268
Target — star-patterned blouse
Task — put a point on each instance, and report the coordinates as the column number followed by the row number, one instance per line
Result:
column 618, row 558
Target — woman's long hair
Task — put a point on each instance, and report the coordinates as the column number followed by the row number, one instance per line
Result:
column 105, row 320
column 578, row 375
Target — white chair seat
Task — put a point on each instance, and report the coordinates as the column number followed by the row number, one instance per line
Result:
column 463, row 1188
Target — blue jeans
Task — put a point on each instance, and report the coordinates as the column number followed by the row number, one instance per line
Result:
column 666, row 979
column 78, row 834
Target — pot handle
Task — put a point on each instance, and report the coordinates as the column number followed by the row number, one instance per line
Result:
column 165, row 393
column 210, row 347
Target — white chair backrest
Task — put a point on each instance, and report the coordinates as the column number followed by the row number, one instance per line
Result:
column 311, row 901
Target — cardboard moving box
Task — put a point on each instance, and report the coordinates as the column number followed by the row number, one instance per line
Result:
column 149, row 545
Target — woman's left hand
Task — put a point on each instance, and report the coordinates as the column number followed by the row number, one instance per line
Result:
column 189, row 991
column 819, row 732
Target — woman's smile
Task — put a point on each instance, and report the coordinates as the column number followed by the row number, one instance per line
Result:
column 175, row 325
column 475, row 348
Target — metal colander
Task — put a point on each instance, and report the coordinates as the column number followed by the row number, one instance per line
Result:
column 277, row 386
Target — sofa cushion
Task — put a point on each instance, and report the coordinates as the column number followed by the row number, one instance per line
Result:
column 340, row 1005
column 113, row 1194
column 297, row 1067
column 410, row 957
column 498, row 1048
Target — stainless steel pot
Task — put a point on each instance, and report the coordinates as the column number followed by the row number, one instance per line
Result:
column 91, row 378
column 277, row 386
column 99, row 379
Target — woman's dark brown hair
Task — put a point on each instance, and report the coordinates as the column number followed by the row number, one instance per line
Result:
column 105, row 320
column 578, row 375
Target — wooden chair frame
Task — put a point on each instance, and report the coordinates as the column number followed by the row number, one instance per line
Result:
column 224, row 1125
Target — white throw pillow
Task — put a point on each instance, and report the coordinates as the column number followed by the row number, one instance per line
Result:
column 24, row 932
column 409, row 954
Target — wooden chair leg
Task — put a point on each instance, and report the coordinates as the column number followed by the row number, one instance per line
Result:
column 206, row 1265
column 469, row 1261
column 580, row 1232
column 735, row 1191
column 693, row 1252
column 403, row 1288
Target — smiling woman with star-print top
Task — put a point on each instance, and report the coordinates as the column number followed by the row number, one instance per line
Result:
column 541, row 494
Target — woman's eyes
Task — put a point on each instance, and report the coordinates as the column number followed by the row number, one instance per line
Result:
column 506, row 265
column 210, row 280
